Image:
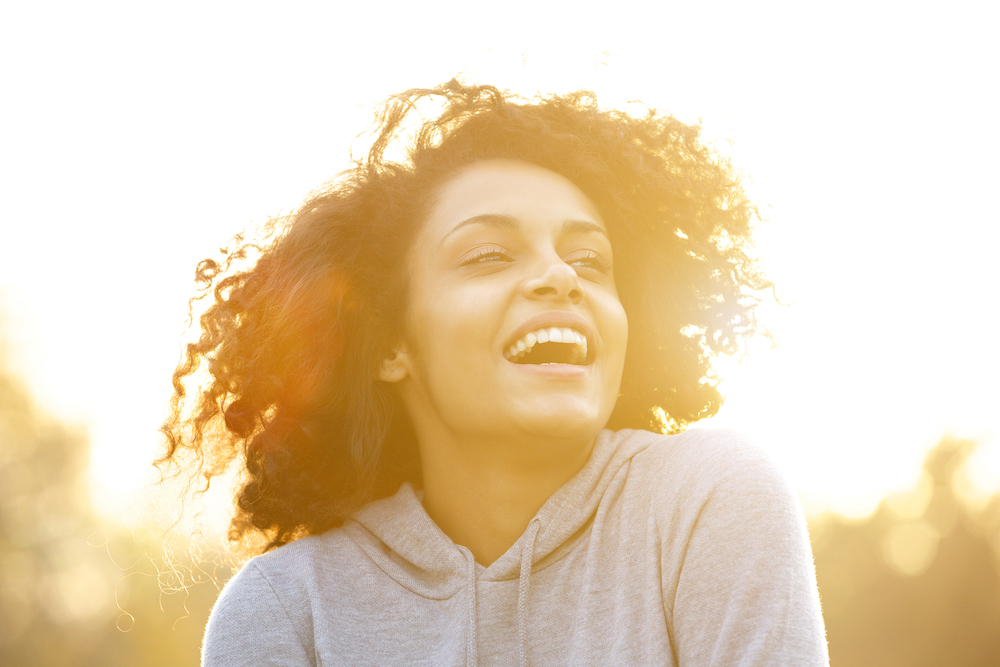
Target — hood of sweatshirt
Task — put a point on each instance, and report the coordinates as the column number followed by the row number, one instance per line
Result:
column 400, row 537
column 406, row 544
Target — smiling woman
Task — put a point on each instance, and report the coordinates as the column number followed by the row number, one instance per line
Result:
column 438, row 377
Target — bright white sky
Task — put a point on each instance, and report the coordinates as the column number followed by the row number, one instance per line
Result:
column 136, row 138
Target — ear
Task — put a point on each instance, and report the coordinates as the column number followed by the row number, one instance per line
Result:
column 395, row 368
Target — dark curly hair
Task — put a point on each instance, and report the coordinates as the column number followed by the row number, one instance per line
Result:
column 292, row 345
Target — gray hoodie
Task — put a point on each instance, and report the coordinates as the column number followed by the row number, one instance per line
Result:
column 686, row 550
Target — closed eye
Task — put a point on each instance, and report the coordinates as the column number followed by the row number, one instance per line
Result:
column 488, row 254
column 592, row 261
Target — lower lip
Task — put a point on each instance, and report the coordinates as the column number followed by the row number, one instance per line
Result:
column 553, row 371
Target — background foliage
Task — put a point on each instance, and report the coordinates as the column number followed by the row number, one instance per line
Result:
column 917, row 583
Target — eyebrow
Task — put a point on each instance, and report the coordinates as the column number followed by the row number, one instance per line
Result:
column 500, row 221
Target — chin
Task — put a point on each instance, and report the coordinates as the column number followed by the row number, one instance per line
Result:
column 564, row 421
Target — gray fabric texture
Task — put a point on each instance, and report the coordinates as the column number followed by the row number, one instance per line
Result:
column 686, row 550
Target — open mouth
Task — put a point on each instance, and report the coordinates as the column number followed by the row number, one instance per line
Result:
column 549, row 345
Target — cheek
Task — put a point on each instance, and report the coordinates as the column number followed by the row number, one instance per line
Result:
column 624, row 328
column 616, row 325
column 448, row 331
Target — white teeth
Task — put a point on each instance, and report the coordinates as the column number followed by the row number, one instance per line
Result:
column 563, row 335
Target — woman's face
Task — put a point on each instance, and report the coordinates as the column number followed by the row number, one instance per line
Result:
column 510, row 256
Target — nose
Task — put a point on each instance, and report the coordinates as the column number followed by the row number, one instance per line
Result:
column 558, row 281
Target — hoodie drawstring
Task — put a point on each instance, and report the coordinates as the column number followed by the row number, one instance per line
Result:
column 472, row 636
column 523, row 585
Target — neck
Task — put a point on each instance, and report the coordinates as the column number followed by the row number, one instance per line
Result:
column 484, row 494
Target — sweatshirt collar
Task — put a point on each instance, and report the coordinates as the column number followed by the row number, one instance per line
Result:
column 399, row 536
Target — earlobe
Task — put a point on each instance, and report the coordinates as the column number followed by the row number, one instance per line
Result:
column 393, row 369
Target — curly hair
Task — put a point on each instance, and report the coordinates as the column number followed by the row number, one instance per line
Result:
column 292, row 344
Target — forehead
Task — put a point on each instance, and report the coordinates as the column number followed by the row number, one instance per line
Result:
column 530, row 194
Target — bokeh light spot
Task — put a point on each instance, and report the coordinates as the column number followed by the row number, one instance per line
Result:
column 910, row 546
column 911, row 503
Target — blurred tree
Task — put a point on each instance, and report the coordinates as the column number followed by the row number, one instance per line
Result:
column 48, row 585
column 917, row 583
column 59, row 594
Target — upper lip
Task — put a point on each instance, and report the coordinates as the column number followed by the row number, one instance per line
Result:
column 554, row 318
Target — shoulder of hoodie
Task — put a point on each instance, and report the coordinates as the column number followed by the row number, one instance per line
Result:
column 699, row 464
column 269, row 584
column 251, row 624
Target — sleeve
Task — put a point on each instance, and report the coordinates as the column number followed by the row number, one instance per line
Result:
column 249, row 626
column 745, row 588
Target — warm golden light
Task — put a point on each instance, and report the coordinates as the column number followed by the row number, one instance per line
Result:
column 136, row 141
column 872, row 364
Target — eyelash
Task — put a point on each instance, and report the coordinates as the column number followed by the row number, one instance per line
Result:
column 483, row 253
column 591, row 259
column 595, row 262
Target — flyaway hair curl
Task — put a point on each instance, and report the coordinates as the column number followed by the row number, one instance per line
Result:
column 292, row 345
